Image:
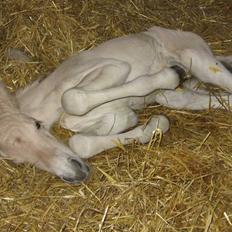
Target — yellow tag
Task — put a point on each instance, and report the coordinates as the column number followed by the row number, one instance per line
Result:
column 214, row 69
column 179, row 89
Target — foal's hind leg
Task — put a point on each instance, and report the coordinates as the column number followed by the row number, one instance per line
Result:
column 87, row 146
column 78, row 102
column 109, row 75
column 191, row 98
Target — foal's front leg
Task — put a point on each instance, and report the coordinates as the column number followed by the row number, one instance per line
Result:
column 87, row 146
column 78, row 102
column 110, row 118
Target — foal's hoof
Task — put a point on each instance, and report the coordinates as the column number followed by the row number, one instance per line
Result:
column 159, row 122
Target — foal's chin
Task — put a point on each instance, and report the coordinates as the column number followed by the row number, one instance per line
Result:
column 72, row 170
column 66, row 165
column 69, row 167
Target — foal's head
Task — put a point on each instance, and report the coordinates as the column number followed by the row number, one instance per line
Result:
column 24, row 139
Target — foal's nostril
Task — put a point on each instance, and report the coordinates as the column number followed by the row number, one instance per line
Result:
column 80, row 171
column 76, row 163
column 81, row 165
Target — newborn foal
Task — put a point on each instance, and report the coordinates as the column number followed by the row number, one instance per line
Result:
column 100, row 88
column 24, row 139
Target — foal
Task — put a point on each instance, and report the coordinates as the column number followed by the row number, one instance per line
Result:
column 100, row 89
column 97, row 91
column 24, row 139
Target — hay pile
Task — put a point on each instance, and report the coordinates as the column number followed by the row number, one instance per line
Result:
column 183, row 184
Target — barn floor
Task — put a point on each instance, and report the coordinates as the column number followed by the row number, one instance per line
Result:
column 182, row 184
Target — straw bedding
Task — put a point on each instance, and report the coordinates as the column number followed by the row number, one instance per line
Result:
column 180, row 182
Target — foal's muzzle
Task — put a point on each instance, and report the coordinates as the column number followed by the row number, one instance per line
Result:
column 81, row 170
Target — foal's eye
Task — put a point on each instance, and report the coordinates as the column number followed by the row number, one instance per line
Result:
column 38, row 125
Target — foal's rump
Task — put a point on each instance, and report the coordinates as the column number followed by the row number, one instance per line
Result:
column 177, row 40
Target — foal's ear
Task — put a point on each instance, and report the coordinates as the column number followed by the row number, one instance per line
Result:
column 14, row 100
column 8, row 97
